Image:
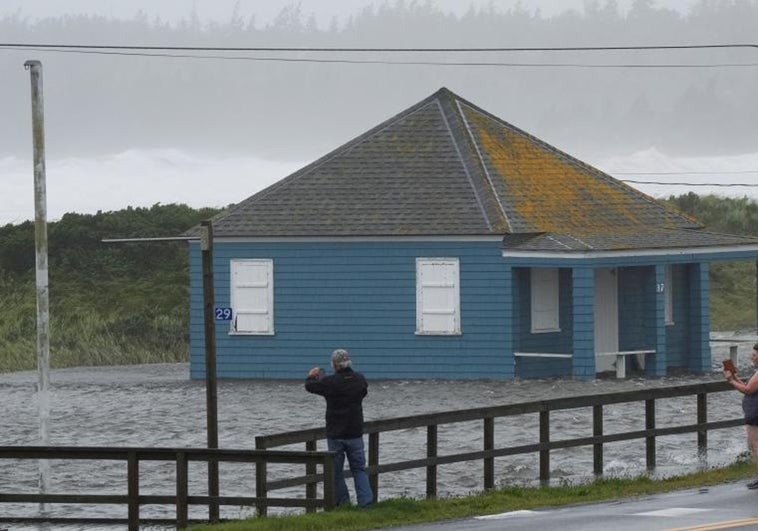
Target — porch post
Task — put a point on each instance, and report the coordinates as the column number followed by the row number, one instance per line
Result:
column 583, row 343
column 700, row 318
column 655, row 364
column 510, row 323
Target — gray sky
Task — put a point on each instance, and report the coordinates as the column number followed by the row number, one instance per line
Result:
column 266, row 10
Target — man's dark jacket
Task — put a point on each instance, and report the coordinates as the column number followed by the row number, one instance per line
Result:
column 344, row 392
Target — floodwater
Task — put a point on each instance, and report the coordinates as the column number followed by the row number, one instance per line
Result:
column 157, row 405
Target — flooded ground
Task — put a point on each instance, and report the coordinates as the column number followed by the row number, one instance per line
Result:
column 157, row 405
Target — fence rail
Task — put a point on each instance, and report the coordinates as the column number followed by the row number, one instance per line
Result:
column 488, row 415
column 181, row 499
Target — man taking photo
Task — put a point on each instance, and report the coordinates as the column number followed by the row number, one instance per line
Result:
column 344, row 392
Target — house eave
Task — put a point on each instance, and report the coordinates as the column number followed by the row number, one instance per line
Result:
column 331, row 239
column 679, row 254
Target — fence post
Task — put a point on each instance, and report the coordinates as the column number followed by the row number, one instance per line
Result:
column 431, row 453
column 261, row 487
column 544, row 451
column 373, row 463
column 702, row 431
column 329, row 494
column 597, row 431
column 132, row 475
column 181, row 490
column 650, row 439
column 489, row 444
column 310, row 469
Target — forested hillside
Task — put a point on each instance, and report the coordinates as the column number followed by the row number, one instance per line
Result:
column 109, row 303
column 117, row 304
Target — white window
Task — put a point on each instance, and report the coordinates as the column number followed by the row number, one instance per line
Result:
column 438, row 298
column 544, row 290
column 668, row 296
column 252, row 296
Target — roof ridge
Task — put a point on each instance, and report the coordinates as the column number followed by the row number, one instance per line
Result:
column 449, row 101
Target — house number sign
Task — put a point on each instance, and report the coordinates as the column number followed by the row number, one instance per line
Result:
column 660, row 287
column 223, row 314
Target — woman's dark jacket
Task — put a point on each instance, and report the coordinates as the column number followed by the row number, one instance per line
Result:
column 344, row 392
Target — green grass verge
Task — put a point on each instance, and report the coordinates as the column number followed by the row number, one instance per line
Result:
column 406, row 511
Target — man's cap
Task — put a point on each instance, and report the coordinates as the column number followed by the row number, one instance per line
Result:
column 341, row 358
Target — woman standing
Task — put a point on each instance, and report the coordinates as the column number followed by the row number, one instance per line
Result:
column 749, row 407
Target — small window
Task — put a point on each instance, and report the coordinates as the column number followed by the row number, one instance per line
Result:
column 544, row 289
column 668, row 296
column 438, row 306
column 252, row 296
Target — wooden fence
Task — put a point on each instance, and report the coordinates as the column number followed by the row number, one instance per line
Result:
column 311, row 459
column 181, row 498
column 487, row 415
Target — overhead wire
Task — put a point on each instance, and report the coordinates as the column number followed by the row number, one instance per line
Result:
column 393, row 50
column 168, row 52
column 725, row 185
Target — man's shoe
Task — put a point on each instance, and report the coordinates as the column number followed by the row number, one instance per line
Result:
column 753, row 485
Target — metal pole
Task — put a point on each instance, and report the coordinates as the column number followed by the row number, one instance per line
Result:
column 40, row 243
column 206, row 247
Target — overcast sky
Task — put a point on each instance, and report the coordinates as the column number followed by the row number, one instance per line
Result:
column 266, row 10
column 144, row 175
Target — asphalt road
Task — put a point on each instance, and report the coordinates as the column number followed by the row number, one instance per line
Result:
column 729, row 506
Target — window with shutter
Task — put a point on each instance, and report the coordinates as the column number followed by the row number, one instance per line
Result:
column 252, row 296
column 544, row 290
column 438, row 298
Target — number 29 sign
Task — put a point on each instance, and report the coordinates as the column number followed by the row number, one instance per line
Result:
column 223, row 314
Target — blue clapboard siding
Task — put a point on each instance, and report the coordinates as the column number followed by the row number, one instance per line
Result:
column 678, row 333
column 699, row 317
column 636, row 287
column 360, row 296
column 549, row 342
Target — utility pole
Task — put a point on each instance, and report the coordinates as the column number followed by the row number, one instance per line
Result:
column 43, row 296
column 206, row 248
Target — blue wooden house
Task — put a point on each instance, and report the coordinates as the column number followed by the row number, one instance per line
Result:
column 447, row 243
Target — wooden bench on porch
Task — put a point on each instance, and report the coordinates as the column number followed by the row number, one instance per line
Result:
column 620, row 357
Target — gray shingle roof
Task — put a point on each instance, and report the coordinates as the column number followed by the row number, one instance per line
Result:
column 445, row 167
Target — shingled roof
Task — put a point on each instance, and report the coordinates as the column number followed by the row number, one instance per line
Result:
column 445, row 167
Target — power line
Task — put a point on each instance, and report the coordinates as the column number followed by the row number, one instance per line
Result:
column 725, row 185
column 723, row 172
column 386, row 62
column 391, row 50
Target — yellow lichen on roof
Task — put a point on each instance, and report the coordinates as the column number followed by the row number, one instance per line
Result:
column 545, row 192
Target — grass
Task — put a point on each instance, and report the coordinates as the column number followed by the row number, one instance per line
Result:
column 90, row 327
column 406, row 511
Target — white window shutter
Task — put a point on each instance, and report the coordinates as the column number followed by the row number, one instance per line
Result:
column 438, row 296
column 544, row 290
column 252, row 296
